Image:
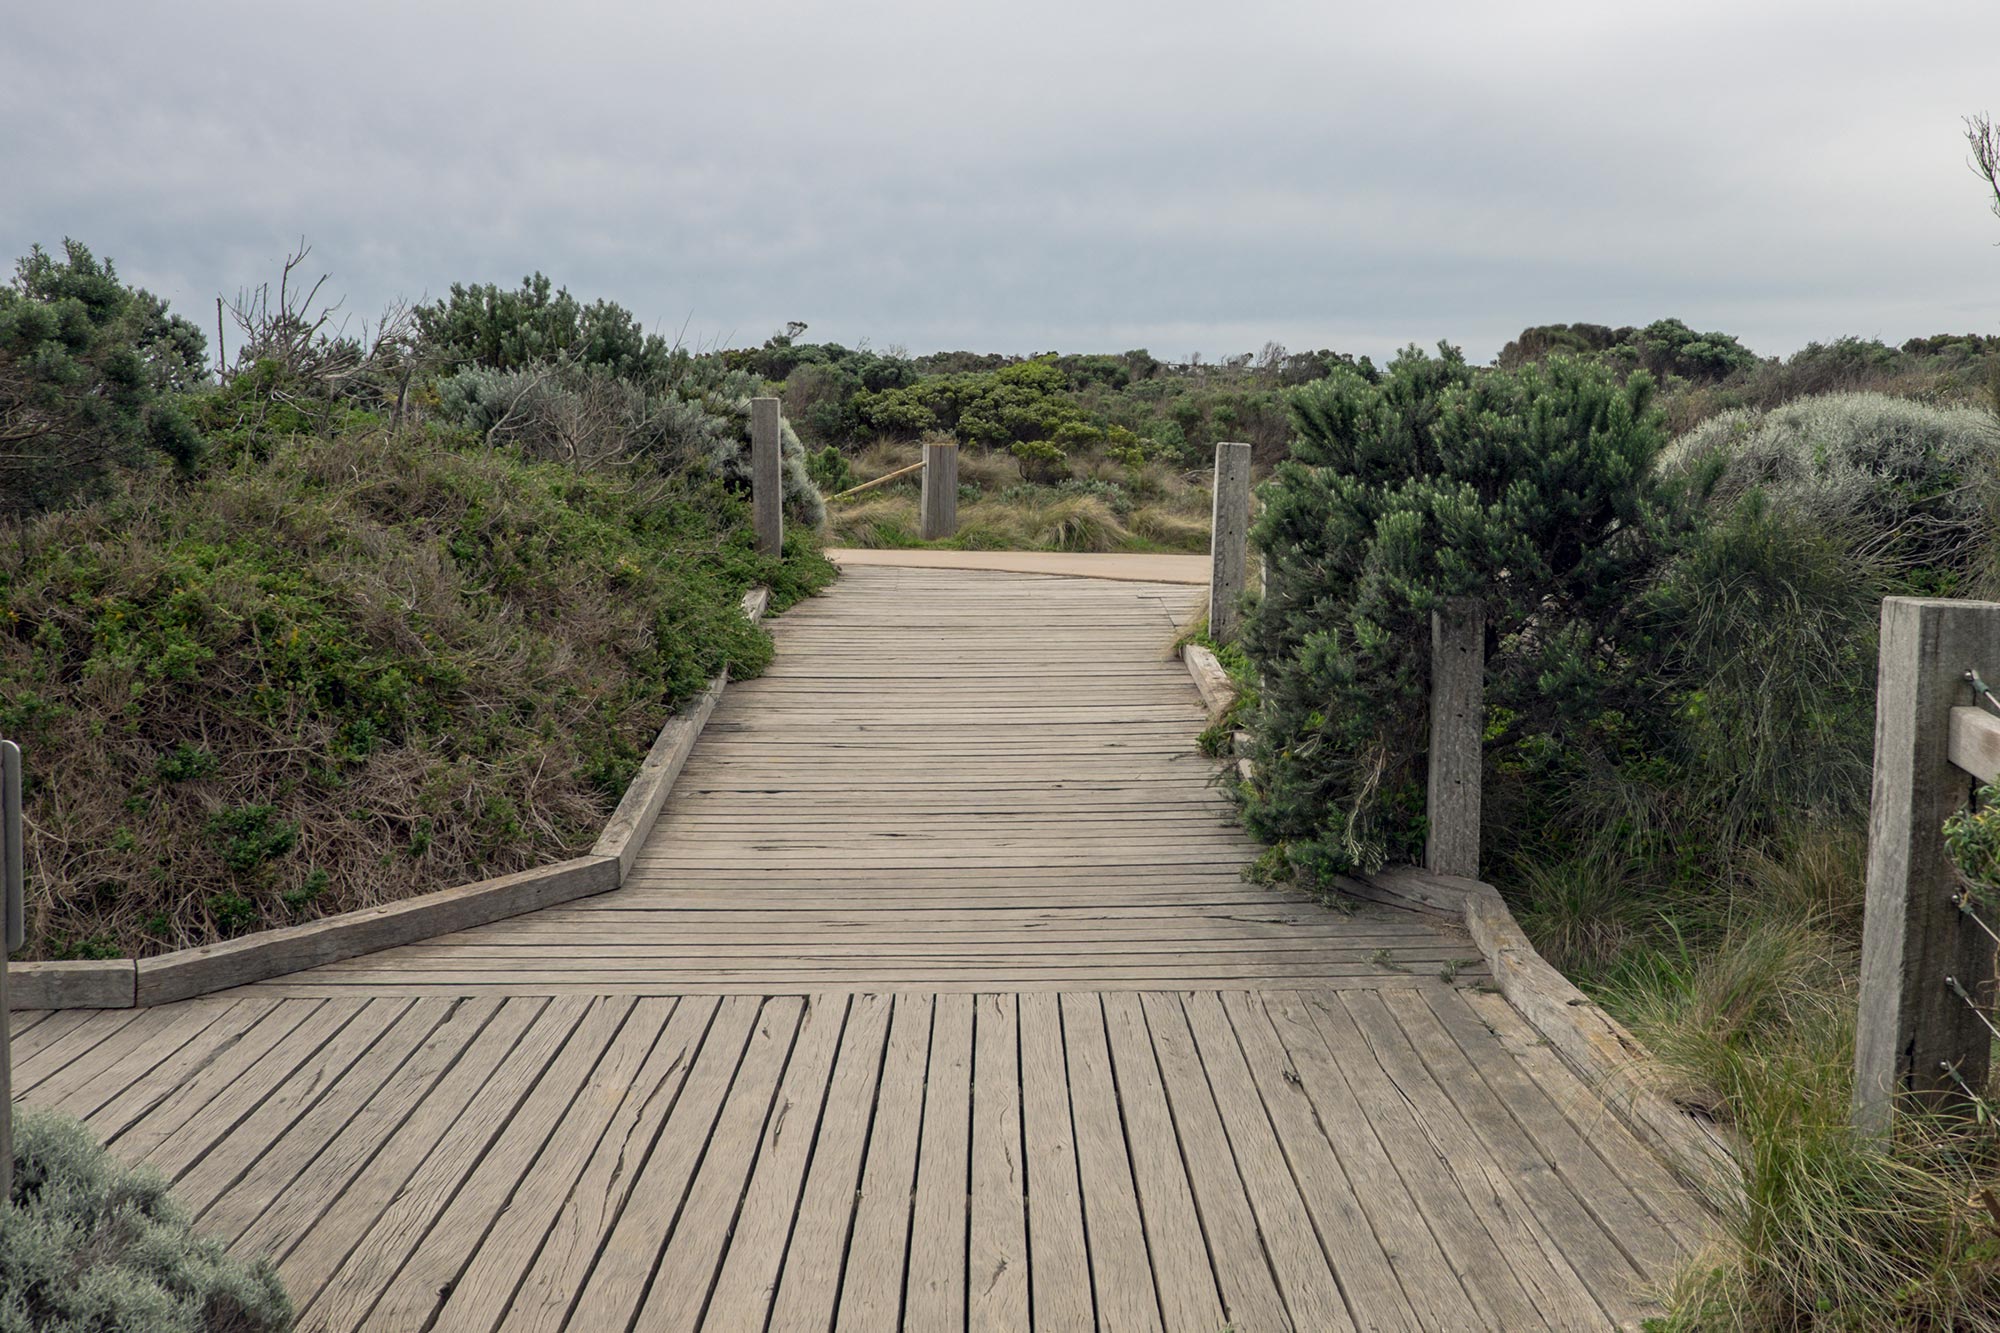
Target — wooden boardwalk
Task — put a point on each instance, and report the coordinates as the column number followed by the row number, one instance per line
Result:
column 939, row 1002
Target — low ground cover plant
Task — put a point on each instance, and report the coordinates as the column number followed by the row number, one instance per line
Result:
column 88, row 1244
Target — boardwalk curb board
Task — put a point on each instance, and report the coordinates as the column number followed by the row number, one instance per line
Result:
column 121, row 983
column 99, row 983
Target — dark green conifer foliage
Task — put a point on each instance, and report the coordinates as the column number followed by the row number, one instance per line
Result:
column 85, row 364
column 1530, row 489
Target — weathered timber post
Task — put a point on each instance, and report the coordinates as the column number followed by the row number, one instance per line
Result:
column 1228, row 542
column 939, row 506
column 767, row 476
column 1921, row 958
column 1458, row 727
column 13, row 926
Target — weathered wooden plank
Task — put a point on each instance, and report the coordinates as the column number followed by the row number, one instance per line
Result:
column 1211, row 681
column 748, row 1282
column 1575, row 1243
column 548, row 1288
column 1299, row 1256
column 997, row 1242
column 1121, row 1270
column 809, row 1285
column 114, row 1062
column 1536, row 1259
column 391, row 1277
column 646, row 795
column 1059, row 1282
column 360, row 1155
column 349, row 1254
column 687, row 1269
column 1366, row 1274
column 871, row 1289
column 137, row 1123
column 484, row 1289
column 1182, row 1276
column 1429, row 1281
column 71, row 984
column 612, row 1294
column 1242, row 1269
column 936, row 1294
column 201, row 1175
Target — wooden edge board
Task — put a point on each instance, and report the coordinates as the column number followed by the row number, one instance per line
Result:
column 1611, row 1060
column 1209, row 678
column 269, row 953
column 107, row 983
column 632, row 822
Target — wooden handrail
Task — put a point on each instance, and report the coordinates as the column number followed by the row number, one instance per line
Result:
column 882, row 480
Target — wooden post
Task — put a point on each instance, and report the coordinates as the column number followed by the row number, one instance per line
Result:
column 1228, row 541
column 13, row 924
column 1914, row 1030
column 767, row 476
column 939, row 507
column 1458, row 726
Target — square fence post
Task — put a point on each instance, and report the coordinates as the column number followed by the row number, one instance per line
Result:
column 1228, row 542
column 1916, row 1035
column 767, row 476
column 1458, row 735
column 939, row 505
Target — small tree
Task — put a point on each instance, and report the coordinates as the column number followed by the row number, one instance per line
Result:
column 1530, row 489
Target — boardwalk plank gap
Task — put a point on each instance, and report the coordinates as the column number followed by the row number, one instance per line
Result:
column 935, row 999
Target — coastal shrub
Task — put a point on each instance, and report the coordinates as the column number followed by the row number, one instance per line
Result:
column 1532, row 489
column 88, row 370
column 355, row 669
column 88, row 1245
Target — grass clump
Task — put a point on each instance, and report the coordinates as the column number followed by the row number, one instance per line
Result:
column 88, row 1245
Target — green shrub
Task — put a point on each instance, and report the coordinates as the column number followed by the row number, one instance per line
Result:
column 212, row 676
column 1530, row 489
column 87, row 365
column 90, row 1246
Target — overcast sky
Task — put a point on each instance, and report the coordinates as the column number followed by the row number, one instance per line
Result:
column 1091, row 175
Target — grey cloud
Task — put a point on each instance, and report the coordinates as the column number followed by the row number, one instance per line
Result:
column 1087, row 175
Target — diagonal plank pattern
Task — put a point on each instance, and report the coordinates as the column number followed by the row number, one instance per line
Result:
column 938, row 1002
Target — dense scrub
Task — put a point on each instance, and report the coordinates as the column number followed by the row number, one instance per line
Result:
column 1681, row 649
column 89, row 1246
column 363, row 646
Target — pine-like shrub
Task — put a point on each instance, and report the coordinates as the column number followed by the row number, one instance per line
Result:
column 1531, row 489
column 87, row 366
column 88, row 1245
